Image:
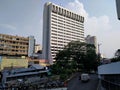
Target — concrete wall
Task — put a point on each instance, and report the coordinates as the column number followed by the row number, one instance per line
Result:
column 13, row 63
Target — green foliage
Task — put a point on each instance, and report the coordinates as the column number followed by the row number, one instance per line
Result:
column 63, row 77
column 76, row 56
column 115, row 59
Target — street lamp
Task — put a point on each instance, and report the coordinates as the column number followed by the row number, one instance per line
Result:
column 99, row 55
column 99, row 47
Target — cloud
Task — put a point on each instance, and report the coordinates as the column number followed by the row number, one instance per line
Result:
column 92, row 24
column 110, row 43
column 8, row 26
column 97, row 26
column 77, row 7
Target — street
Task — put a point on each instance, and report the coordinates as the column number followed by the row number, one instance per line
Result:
column 76, row 84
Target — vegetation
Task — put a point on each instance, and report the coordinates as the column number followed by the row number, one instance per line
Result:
column 76, row 56
column 115, row 59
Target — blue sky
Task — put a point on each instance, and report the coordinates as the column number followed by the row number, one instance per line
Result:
column 24, row 18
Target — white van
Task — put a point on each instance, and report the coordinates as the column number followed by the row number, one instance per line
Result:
column 85, row 77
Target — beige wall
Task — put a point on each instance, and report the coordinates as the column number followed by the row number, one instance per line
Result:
column 9, row 63
column 41, row 62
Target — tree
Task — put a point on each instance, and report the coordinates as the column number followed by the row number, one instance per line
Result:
column 115, row 59
column 91, row 58
column 76, row 56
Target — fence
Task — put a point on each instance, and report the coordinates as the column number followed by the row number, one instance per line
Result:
column 110, row 85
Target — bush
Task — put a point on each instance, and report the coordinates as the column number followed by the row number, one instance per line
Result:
column 63, row 77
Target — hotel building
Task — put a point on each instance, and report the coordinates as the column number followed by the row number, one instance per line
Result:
column 60, row 26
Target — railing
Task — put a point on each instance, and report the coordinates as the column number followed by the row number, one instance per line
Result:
column 31, row 88
column 108, row 85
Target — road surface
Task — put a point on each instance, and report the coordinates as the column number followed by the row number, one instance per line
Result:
column 76, row 84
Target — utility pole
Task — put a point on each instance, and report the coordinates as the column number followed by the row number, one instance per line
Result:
column 99, row 55
column 99, row 47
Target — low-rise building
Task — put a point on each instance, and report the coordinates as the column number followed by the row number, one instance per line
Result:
column 16, row 45
column 35, row 74
column 41, row 62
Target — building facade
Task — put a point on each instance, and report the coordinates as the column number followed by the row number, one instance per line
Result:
column 40, row 62
column 34, row 75
column 16, row 46
column 60, row 26
column 92, row 40
column 31, row 46
column 38, row 47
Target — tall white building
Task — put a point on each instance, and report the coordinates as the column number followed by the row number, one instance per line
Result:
column 31, row 48
column 60, row 26
column 92, row 40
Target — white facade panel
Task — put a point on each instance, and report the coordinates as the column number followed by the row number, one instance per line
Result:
column 31, row 48
column 60, row 27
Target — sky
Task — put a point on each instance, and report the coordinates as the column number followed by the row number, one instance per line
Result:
column 25, row 17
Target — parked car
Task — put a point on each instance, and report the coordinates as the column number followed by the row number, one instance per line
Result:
column 92, row 72
column 85, row 77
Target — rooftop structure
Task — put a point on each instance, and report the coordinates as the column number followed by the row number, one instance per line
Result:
column 109, row 75
column 38, row 47
column 35, row 74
